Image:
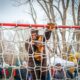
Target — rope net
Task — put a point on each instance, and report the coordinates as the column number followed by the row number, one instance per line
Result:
column 38, row 52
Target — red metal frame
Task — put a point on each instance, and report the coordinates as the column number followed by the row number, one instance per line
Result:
column 34, row 25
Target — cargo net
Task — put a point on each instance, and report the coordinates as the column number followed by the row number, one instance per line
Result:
column 52, row 55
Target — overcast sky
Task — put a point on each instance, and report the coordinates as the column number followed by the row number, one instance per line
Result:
column 10, row 13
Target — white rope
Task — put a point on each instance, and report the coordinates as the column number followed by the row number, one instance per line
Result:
column 21, row 40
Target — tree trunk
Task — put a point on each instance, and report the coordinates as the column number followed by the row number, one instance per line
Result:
column 73, row 13
column 78, row 33
column 65, row 7
column 78, row 18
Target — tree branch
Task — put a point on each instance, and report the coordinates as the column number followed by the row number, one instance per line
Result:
column 44, row 10
column 63, row 4
column 58, row 11
column 34, row 16
column 73, row 13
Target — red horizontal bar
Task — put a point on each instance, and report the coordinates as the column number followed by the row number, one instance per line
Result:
column 68, row 27
column 34, row 25
column 22, row 25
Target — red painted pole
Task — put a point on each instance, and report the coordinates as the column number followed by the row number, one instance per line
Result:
column 21, row 25
column 33, row 25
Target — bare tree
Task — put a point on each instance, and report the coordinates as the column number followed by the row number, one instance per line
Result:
column 49, row 6
column 78, row 17
column 73, row 12
column 65, row 6
column 78, row 33
column 33, row 12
